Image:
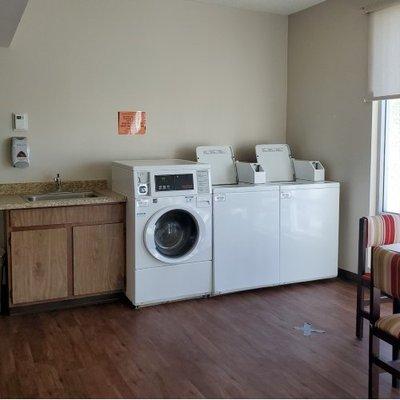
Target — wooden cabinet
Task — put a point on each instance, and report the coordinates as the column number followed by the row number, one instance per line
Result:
column 99, row 258
column 39, row 265
column 98, row 214
column 65, row 253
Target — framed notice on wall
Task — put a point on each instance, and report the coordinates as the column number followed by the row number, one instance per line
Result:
column 132, row 122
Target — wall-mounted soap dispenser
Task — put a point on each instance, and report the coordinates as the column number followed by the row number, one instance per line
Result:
column 20, row 152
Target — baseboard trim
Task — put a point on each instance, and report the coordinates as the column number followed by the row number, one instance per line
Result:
column 347, row 275
column 65, row 304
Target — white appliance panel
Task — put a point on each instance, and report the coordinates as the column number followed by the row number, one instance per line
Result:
column 276, row 161
column 309, row 233
column 222, row 162
column 246, row 240
column 172, row 282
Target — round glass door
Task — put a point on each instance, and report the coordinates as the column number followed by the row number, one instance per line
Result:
column 175, row 233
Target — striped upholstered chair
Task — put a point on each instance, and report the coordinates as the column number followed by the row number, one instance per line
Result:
column 385, row 278
column 374, row 231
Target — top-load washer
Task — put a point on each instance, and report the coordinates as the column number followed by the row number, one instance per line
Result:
column 309, row 231
column 245, row 229
column 283, row 231
column 309, row 215
column 169, row 229
column 246, row 237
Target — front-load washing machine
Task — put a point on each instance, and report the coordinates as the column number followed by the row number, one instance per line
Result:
column 168, row 229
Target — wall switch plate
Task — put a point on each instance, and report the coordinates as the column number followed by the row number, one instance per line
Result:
column 20, row 122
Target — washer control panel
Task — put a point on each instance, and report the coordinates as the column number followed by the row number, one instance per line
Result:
column 203, row 181
column 143, row 183
column 143, row 189
column 174, row 182
column 166, row 183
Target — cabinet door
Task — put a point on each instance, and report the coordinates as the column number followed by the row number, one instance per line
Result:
column 99, row 258
column 246, row 240
column 39, row 265
column 309, row 234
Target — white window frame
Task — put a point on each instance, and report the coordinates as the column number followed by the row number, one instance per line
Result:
column 381, row 142
column 381, row 147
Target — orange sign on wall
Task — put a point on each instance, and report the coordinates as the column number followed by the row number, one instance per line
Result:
column 132, row 123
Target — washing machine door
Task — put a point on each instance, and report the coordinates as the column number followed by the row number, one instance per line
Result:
column 173, row 235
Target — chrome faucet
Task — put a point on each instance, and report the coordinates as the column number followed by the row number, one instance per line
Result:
column 58, row 183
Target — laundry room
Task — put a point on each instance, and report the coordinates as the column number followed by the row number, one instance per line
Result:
column 199, row 198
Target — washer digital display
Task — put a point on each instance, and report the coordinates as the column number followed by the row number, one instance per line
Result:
column 173, row 182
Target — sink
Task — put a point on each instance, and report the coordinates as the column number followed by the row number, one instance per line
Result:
column 60, row 196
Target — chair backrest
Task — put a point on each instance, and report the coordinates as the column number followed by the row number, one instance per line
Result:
column 386, row 270
column 383, row 229
column 376, row 230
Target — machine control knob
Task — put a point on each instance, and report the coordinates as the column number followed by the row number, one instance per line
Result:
column 142, row 189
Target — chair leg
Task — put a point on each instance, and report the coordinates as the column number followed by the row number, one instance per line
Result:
column 395, row 350
column 373, row 370
column 396, row 306
column 359, row 317
column 395, row 354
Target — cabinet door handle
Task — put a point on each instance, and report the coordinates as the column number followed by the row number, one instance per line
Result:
column 286, row 195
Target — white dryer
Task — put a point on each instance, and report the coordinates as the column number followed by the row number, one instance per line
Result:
column 169, row 229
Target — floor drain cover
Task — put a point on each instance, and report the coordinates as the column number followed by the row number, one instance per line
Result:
column 308, row 329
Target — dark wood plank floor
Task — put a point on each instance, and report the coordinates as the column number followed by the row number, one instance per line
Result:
column 240, row 345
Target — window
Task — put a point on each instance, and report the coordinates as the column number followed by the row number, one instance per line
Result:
column 384, row 86
column 390, row 193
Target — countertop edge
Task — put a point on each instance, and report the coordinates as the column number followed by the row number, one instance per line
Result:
column 17, row 202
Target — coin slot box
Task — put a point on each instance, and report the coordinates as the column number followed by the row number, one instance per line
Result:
column 250, row 172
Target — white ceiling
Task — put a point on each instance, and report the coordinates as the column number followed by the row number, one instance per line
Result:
column 10, row 14
column 284, row 7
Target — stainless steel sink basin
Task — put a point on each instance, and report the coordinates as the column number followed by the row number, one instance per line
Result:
column 61, row 196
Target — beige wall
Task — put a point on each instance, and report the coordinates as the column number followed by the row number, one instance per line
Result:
column 205, row 74
column 327, row 119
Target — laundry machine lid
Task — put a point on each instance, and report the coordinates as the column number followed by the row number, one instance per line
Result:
column 222, row 162
column 276, row 161
column 173, row 235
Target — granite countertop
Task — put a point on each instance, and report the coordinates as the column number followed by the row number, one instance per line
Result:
column 11, row 195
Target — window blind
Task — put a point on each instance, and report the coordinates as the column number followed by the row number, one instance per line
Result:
column 384, row 53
